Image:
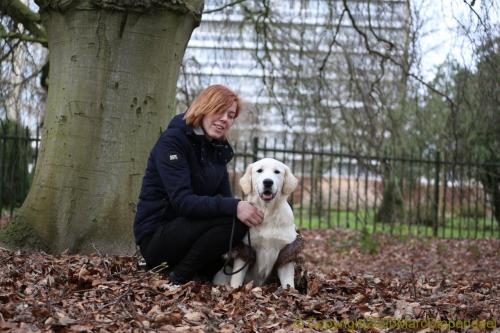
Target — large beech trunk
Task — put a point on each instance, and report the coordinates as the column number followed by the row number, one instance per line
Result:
column 112, row 82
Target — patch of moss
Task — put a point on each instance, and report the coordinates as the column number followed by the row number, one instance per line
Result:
column 19, row 234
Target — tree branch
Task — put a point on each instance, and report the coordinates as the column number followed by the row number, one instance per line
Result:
column 223, row 7
column 20, row 13
column 391, row 59
column 330, row 45
column 470, row 5
column 23, row 38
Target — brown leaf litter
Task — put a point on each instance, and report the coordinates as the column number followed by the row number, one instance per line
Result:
column 406, row 281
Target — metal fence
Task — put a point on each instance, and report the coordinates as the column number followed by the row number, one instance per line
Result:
column 401, row 195
column 18, row 154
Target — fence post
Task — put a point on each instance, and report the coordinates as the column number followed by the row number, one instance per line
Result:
column 255, row 148
column 436, row 195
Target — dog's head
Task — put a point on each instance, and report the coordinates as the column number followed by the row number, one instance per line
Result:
column 268, row 178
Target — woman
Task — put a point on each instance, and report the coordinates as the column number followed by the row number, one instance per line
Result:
column 186, row 210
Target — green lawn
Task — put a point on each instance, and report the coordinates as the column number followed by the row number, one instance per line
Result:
column 457, row 227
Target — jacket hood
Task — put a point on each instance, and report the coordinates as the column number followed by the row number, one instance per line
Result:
column 179, row 123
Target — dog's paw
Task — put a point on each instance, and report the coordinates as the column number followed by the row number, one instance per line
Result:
column 288, row 289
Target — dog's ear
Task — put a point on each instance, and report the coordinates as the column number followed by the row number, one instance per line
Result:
column 246, row 180
column 290, row 182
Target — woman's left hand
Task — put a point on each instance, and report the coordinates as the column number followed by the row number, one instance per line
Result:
column 248, row 214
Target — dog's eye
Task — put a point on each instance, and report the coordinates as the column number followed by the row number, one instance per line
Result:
column 277, row 172
column 259, row 171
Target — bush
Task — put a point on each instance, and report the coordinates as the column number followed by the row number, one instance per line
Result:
column 473, row 212
column 368, row 243
column 15, row 156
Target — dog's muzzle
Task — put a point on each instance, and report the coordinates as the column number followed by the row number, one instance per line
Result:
column 267, row 194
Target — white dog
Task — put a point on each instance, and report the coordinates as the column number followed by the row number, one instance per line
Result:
column 267, row 183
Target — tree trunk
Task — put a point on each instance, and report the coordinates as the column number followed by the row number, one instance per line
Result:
column 392, row 206
column 112, row 84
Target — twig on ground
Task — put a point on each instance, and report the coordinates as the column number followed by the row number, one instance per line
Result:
column 126, row 293
column 96, row 249
column 413, row 282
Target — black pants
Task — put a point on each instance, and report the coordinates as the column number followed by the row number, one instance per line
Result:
column 191, row 247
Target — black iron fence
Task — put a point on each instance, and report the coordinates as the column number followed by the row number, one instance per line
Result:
column 403, row 195
column 18, row 154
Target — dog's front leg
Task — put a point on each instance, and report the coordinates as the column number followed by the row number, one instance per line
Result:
column 238, row 278
column 286, row 274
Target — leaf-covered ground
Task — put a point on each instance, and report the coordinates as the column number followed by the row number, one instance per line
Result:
column 355, row 282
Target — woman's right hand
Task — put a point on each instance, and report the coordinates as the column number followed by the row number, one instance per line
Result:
column 248, row 214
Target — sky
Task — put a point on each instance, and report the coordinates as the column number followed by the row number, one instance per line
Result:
column 442, row 35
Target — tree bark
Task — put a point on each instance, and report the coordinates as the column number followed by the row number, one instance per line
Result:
column 112, row 82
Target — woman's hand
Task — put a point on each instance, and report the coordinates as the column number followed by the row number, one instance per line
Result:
column 248, row 214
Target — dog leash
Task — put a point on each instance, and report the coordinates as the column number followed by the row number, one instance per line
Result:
column 228, row 259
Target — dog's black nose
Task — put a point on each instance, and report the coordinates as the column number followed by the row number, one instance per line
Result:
column 268, row 182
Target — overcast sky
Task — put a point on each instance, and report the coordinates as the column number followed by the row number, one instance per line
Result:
column 442, row 35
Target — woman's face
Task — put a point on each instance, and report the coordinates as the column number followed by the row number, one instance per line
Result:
column 217, row 125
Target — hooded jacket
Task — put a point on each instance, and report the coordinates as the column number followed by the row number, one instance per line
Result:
column 185, row 176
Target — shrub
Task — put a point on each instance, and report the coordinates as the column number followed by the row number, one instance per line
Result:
column 15, row 156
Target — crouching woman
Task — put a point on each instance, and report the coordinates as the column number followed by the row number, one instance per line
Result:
column 186, row 209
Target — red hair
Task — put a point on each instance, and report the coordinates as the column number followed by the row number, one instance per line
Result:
column 212, row 100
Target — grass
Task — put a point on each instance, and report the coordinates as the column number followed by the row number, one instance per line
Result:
column 456, row 227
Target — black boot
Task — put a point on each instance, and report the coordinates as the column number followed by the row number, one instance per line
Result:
column 176, row 278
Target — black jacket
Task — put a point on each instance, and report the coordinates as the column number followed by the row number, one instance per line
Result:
column 186, row 176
